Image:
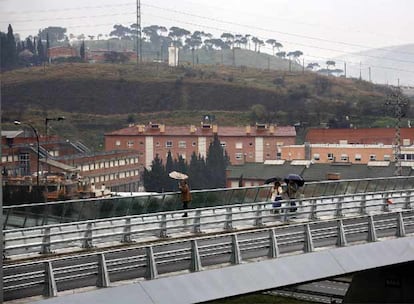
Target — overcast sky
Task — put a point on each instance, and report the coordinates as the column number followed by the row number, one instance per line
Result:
column 322, row 29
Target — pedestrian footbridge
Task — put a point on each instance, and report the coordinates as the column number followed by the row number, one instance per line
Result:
column 218, row 251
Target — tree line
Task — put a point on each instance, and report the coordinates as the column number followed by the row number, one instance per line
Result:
column 208, row 173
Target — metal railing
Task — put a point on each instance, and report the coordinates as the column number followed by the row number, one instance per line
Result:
column 106, row 232
column 48, row 276
column 38, row 214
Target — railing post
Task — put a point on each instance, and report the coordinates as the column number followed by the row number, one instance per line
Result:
column 151, row 272
column 408, row 201
column 400, row 225
column 126, row 236
column 197, row 222
column 313, row 215
column 338, row 211
column 385, row 205
column 372, row 234
column 285, row 211
column 308, row 239
column 195, row 257
column 228, row 224
column 46, row 241
column 258, row 221
column 103, row 276
column 273, row 246
column 87, row 241
column 163, row 226
column 363, row 205
column 50, row 288
column 341, row 241
column 235, row 250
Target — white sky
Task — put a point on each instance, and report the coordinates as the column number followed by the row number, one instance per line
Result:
column 322, row 29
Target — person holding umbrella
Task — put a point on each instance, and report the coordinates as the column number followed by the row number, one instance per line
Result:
column 185, row 195
column 293, row 182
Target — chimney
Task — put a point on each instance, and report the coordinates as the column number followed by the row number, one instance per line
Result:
column 215, row 128
column 162, row 128
column 141, row 128
column 272, row 129
column 248, row 129
column 192, row 129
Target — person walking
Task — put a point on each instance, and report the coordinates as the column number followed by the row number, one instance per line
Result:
column 276, row 196
column 185, row 195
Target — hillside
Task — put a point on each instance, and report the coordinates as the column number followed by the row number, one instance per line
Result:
column 388, row 65
column 99, row 98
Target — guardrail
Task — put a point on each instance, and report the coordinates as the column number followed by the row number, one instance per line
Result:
column 38, row 214
column 106, row 232
column 48, row 276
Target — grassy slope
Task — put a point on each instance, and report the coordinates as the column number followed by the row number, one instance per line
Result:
column 100, row 98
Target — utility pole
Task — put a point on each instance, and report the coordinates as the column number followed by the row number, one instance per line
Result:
column 369, row 70
column 345, row 69
column 398, row 102
column 139, row 42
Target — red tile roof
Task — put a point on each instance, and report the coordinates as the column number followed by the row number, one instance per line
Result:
column 357, row 136
column 282, row 131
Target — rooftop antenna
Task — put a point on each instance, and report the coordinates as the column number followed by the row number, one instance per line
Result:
column 397, row 102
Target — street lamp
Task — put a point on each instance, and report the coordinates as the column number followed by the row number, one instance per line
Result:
column 18, row 123
column 47, row 130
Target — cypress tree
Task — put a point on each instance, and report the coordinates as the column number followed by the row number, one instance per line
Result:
column 216, row 161
column 10, row 56
column 40, row 50
column 154, row 180
column 47, row 47
column 82, row 51
column 170, row 184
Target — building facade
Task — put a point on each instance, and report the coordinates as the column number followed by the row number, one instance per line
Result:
column 250, row 144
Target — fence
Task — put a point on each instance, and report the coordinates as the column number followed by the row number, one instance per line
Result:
column 89, row 209
column 106, row 232
column 48, row 276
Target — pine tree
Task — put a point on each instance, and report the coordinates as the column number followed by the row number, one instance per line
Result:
column 154, row 180
column 198, row 173
column 40, row 50
column 8, row 49
column 169, row 167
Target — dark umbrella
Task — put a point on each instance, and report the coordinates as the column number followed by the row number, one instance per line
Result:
column 272, row 180
column 296, row 178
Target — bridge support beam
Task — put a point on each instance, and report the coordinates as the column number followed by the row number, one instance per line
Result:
column 103, row 276
column 258, row 221
column 235, row 250
column 400, row 225
column 338, row 211
column 408, row 200
column 313, row 213
column 363, row 205
column 195, row 257
column 50, row 289
column 151, row 272
column 273, row 246
column 308, row 247
column 372, row 234
column 341, row 241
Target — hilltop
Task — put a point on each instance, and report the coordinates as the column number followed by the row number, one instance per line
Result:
column 98, row 98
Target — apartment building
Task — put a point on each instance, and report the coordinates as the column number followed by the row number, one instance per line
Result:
column 117, row 170
column 248, row 144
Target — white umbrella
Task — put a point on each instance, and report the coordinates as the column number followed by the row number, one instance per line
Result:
column 177, row 175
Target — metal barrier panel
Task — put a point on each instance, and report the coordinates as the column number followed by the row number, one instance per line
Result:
column 37, row 214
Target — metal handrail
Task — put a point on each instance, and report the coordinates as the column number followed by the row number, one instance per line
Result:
column 86, row 234
column 189, row 255
column 38, row 214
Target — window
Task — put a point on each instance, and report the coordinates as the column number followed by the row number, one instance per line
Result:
column 239, row 156
column 372, row 157
column 182, row 144
column 330, row 156
column 278, row 155
column 344, row 157
column 387, row 157
column 130, row 143
column 194, row 143
column 239, row 145
column 117, row 143
column 316, row 156
column 358, row 157
column 223, row 144
column 168, row 144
